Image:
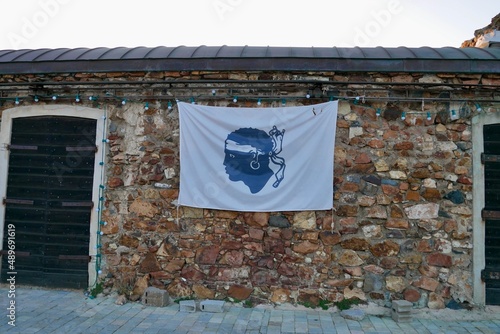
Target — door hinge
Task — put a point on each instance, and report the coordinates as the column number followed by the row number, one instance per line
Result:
column 489, row 158
column 490, row 274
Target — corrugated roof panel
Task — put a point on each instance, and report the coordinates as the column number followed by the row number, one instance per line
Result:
column 136, row 53
column 12, row 55
column 115, row 53
column 72, row 54
column 52, row 54
column 93, row 54
column 31, row 55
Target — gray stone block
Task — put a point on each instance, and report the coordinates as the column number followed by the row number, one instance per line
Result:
column 187, row 306
column 401, row 306
column 401, row 317
column 155, row 297
column 356, row 315
column 212, row 306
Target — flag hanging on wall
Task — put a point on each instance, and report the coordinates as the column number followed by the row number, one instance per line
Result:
column 257, row 159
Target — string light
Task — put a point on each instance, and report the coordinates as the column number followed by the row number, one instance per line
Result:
column 429, row 116
column 235, row 99
column 124, row 102
column 146, row 106
column 193, row 101
column 54, row 97
column 77, row 98
column 308, row 95
column 356, row 100
column 169, row 105
column 283, row 102
column 403, row 116
column 36, row 99
column 259, row 102
column 478, row 107
column 213, row 92
column 17, row 100
column 377, row 113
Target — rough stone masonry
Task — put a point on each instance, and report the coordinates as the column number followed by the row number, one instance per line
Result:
column 401, row 227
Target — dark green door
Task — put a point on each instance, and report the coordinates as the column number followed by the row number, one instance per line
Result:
column 491, row 213
column 49, row 200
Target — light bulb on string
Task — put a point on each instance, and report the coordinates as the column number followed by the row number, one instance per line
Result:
column 308, row 95
column 283, row 102
column 17, row 101
column 169, row 105
column 429, row 116
column 77, row 98
column 193, row 101
column 54, row 97
column 146, row 106
column 403, row 116
column 36, row 99
column 259, row 102
column 213, row 92
column 124, row 102
column 356, row 100
column 377, row 113
column 478, row 107
column 235, row 99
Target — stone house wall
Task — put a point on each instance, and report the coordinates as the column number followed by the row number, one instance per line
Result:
column 401, row 227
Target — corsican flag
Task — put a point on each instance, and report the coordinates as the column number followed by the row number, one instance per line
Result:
column 257, row 159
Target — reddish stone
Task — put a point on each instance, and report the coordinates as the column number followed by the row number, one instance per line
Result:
column 192, row 273
column 421, row 173
column 254, row 246
column 400, row 224
column 239, row 292
column 431, row 194
column 329, row 238
column 411, row 295
column 256, row 219
column 237, row 229
column 287, row 234
column 464, row 180
column 128, row 241
column 286, row 270
column 274, row 246
column 396, row 212
column 207, row 255
column 406, row 145
column 357, row 244
column 376, row 143
column 440, row 260
column 363, row 158
column 413, row 196
column 305, row 247
column 347, row 211
column 149, row 264
column 390, row 190
column 230, row 244
column 233, row 258
column 256, row 233
column 115, row 182
column 348, row 225
column 424, row 246
column 389, row 262
column 429, row 271
column 386, row 248
column 264, row 278
column 175, row 265
column 426, row 283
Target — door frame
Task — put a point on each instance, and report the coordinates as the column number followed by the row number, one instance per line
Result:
column 59, row 111
column 478, row 259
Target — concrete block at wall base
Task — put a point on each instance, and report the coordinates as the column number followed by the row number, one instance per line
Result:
column 401, row 317
column 401, row 306
column 187, row 306
column 155, row 297
column 212, row 306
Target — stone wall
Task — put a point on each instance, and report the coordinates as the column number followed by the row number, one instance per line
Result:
column 401, row 227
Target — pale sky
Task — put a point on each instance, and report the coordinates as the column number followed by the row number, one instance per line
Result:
column 33, row 24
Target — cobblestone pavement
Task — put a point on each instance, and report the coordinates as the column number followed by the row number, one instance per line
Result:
column 55, row 311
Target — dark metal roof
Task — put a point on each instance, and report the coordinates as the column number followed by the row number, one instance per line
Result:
column 401, row 59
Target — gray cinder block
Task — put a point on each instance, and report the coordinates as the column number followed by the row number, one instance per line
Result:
column 155, row 297
column 187, row 306
column 212, row 306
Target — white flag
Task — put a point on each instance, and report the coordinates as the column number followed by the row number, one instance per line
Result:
column 257, row 159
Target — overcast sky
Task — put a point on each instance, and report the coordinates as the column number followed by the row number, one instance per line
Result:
column 32, row 24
